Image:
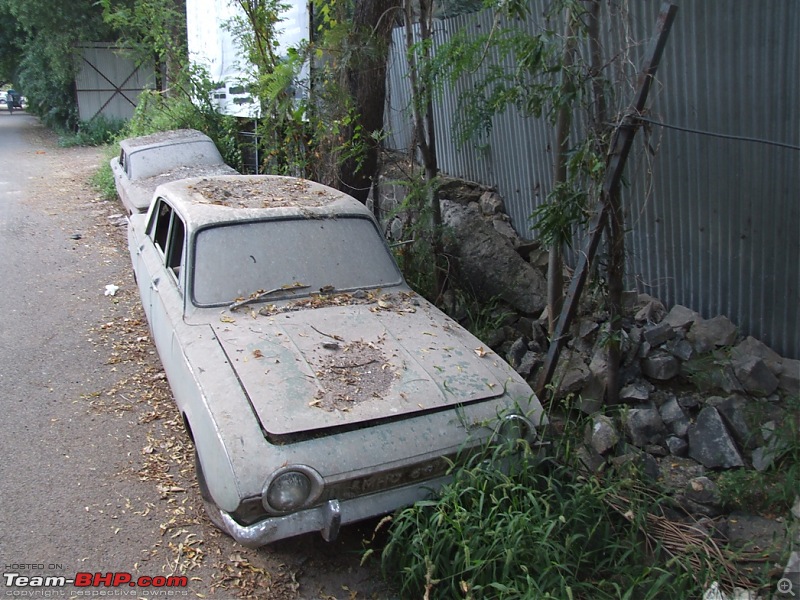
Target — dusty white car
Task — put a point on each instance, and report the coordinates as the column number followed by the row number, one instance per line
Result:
column 318, row 388
column 146, row 162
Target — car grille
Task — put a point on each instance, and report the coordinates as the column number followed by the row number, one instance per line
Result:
column 385, row 480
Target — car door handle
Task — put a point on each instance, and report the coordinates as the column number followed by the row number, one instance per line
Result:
column 154, row 285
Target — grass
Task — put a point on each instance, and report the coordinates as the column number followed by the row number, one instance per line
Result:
column 96, row 132
column 534, row 529
column 773, row 491
column 103, row 179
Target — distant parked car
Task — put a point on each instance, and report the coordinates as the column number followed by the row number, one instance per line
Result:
column 317, row 387
column 146, row 162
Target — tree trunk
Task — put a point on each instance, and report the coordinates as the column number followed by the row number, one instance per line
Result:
column 555, row 262
column 616, row 229
column 365, row 79
column 425, row 133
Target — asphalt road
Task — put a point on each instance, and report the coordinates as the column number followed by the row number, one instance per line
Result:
column 62, row 503
column 76, row 436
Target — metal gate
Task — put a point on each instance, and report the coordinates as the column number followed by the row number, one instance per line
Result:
column 109, row 82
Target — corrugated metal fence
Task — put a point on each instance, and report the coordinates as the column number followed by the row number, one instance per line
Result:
column 714, row 222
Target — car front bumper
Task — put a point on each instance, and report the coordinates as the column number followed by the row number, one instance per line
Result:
column 327, row 518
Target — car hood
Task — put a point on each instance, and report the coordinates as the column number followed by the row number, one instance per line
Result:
column 320, row 368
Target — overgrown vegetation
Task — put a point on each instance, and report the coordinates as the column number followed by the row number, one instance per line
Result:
column 97, row 132
column 773, row 491
column 513, row 524
column 530, row 529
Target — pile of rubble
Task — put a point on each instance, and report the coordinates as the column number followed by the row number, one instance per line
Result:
column 724, row 418
column 696, row 398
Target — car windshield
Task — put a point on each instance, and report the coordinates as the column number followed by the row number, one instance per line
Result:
column 235, row 261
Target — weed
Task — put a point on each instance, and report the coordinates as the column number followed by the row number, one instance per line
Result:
column 96, row 132
column 416, row 259
column 103, row 179
column 773, row 490
column 530, row 528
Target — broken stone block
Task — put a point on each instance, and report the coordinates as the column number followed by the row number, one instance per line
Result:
column 638, row 391
column 677, row 446
column 703, row 491
column 661, row 365
column 488, row 264
column 651, row 309
column 680, row 349
column 596, row 387
column 503, row 226
column 754, row 376
column 603, row 435
column 689, row 401
column 591, row 460
column 572, row 374
column 529, row 362
column 518, row 350
column 674, row 418
column 491, row 203
column 681, row 317
column 750, row 346
column 710, row 442
column 656, row 450
column 733, row 411
column 723, row 377
column 658, row 334
column 707, row 335
column 586, row 327
column 644, row 426
column 773, row 448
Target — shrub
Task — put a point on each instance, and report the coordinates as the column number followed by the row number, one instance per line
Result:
column 530, row 529
column 96, row 132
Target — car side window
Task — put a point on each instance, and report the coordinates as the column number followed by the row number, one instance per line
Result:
column 168, row 233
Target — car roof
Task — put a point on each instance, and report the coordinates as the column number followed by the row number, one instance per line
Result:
column 226, row 198
column 163, row 138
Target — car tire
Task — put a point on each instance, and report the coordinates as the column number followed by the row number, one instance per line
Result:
column 212, row 510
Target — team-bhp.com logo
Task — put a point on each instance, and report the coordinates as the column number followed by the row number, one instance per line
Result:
column 94, row 580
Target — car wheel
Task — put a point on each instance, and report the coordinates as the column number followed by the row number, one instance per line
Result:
column 212, row 510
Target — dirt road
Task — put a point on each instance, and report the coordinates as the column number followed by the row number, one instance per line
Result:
column 96, row 471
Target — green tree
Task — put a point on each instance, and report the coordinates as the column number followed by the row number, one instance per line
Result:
column 46, row 71
column 12, row 41
column 155, row 31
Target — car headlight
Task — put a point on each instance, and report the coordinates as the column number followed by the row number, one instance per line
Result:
column 515, row 427
column 291, row 488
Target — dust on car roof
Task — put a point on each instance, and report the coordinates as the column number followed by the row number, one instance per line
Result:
column 164, row 136
column 244, row 192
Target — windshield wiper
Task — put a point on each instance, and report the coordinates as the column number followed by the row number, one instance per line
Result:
column 259, row 296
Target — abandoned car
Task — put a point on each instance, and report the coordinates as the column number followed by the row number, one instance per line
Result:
column 146, row 162
column 317, row 387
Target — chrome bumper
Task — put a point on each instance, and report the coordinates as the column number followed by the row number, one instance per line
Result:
column 328, row 517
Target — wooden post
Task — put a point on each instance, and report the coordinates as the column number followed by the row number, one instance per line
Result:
column 620, row 148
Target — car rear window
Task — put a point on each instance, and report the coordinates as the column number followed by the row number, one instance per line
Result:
column 157, row 160
column 234, row 261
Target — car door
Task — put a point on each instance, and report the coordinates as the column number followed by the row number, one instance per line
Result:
column 163, row 256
